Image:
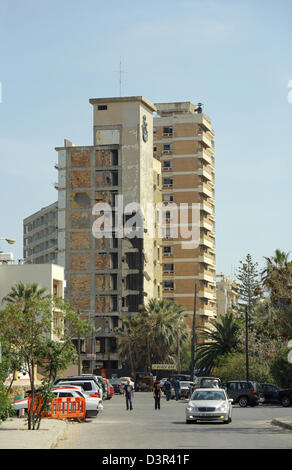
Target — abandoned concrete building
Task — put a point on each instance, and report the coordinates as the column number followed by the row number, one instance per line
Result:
column 130, row 166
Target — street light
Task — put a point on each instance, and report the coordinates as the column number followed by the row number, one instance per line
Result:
column 11, row 241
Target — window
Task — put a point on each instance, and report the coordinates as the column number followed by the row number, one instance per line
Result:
column 168, row 182
column 168, row 268
column 167, row 251
column 154, row 148
column 167, row 148
column 167, row 131
column 167, row 165
column 154, row 130
column 167, row 198
column 102, row 107
column 168, row 285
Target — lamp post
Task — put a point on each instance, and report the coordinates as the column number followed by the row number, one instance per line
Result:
column 193, row 335
column 246, row 343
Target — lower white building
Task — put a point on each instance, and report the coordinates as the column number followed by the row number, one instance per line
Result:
column 48, row 276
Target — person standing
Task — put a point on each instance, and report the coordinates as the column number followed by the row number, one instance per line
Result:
column 157, row 394
column 129, row 394
column 167, row 389
column 176, row 386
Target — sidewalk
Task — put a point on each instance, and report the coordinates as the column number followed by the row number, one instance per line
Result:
column 15, row 435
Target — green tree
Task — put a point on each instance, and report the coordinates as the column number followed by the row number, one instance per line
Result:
column 232, row 367
column 26, row 322
column 157, row 334
column 281, row 369
column 277, row 280
column 219, row 339
column 249, row 283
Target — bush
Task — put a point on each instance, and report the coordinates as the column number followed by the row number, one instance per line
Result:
column 232, row 367
column 281, row 369
column 5, row 405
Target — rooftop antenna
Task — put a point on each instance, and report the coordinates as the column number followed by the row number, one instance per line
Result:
column 120, row 76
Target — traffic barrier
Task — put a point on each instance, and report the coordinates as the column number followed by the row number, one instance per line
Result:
column 69, row 407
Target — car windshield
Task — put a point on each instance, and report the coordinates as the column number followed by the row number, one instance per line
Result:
column 207, row 382
column 185, row 384
column 208, row 395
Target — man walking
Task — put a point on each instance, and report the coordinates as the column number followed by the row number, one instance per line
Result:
column 167, row 389
column 176, row 386
column 129, row 393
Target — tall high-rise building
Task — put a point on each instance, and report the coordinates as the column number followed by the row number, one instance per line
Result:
column 110, row 277
column 184, row 143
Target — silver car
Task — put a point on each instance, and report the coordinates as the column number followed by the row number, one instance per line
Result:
column 209, row 404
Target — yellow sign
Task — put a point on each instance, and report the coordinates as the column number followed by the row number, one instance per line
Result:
column 164, row 366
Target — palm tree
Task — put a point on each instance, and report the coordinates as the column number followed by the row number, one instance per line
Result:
column 277, row 278
column 221, row 338
column 23, row 294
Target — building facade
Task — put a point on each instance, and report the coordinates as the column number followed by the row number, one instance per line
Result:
column 113, row 275
column 184, row 143
column 40, row 236
column 227, row 295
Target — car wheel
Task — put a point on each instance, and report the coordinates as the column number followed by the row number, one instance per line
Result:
column 243, row 401
column 285, row 401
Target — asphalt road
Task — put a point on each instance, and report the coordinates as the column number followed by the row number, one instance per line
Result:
column 147, row 428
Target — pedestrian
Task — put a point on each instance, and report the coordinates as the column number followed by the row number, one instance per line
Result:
column 129, row 394
column 167, row 389
column 215, row 384
column 176, row 386
column 157, row 394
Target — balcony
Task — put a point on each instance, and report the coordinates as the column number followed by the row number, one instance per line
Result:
column 207, row 259
column 206, row 174
column 204, row 189
column 207, row 294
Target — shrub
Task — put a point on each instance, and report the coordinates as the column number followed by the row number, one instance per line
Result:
column 281, row 369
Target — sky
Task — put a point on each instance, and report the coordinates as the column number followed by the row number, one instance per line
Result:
column 233, row 56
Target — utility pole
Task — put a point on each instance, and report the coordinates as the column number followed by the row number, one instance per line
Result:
column 246, row 343
column 193, row 335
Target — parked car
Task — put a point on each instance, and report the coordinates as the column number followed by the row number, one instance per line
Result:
column 116, row 384
column 110, row 391
column 93, row 405
column 270, row 393
column 186, row 389
column 209, row 404
column 183, row 377
column 124, row 381
column 77, row 378
column 244, row 392
column 89, row 387
column 285, row 396
column 206, row 382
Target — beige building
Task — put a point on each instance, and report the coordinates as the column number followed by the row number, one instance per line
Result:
column 40, row 236
column 184, row 143
column 110, row 277
column 227, row 295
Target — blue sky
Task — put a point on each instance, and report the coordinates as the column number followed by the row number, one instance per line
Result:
column 233, row 56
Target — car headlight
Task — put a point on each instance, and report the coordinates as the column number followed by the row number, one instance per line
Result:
column 222, row 407
column 191, row 408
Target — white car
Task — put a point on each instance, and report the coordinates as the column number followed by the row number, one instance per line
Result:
column 124, row 381
column 93, row 405
column 209, row 404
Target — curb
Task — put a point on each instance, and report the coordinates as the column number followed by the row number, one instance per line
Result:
column 282, row 424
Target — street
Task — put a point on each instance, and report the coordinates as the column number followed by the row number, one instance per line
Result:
column 147, row 428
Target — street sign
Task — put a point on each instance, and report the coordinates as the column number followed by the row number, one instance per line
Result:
column 164, row 366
